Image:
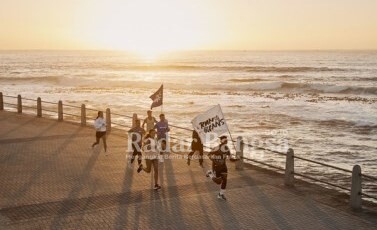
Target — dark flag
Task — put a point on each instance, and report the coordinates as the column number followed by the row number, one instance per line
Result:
column 157, row 97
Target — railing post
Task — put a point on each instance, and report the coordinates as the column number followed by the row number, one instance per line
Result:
column 356, row 191
column 19, row 104
column 39, row 107
column 289, row 168
column 1, row 101
column 60, row 110
column 83, row 115
column 239, row 153
column 134, row 118
column 108, row 120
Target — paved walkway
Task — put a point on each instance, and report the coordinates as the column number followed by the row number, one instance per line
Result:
column 50, row 178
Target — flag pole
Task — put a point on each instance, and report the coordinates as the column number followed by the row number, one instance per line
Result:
column 231, row 138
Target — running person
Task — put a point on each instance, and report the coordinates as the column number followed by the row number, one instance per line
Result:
column 137, row 134
column 219, row 172
column 100, row 126
column 151, row 156
column 162, row 128
column 196, row 147
column 150, row 121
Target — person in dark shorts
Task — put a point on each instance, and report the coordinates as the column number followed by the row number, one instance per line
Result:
column 137, row 134
column 196, row 147
column 219, row 172
column 100, row 126
column 151, row 156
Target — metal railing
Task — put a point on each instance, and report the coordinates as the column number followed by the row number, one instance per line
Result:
column 356, row 188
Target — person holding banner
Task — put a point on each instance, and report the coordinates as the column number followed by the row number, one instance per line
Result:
column 196, row 147
column 219, row 172
column 151, row 156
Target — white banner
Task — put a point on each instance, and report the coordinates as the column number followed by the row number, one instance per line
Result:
column 210, row 124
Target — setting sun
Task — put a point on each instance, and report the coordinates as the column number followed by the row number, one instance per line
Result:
column 147, row 31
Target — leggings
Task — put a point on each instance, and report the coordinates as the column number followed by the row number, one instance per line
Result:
column 136, row 151
column 148, row 169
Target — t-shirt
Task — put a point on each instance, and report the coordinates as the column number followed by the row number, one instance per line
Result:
column 162, row 129
column 150, row 123
column 219, row 155
column 137, row 134
column 150, row 148
column 100, row 125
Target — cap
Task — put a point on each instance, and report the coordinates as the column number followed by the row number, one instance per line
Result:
column 223, row 137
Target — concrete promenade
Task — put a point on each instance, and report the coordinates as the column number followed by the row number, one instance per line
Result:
column 50, row 178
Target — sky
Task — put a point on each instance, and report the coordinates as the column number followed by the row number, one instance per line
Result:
column 151, row 25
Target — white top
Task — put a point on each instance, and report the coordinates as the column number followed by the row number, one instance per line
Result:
column 150, row 148
column 150, row 123
column 100, row 124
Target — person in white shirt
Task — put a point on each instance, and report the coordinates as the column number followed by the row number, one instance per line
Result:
column 151, row 155
column 100, row 126
column 150, row 121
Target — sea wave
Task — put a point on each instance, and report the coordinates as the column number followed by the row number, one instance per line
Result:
column 310, row 88
column 242, row 68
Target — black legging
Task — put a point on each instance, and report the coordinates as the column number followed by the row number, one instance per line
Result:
column 136, row 151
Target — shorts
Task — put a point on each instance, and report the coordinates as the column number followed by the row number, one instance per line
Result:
column 220, row 170
column 100, row 134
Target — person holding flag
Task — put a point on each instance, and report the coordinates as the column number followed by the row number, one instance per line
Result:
column 219, row 172
column 209, row 125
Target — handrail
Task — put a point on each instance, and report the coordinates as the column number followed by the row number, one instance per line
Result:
column 6, row 103
column 178, row 127
column 262, row 163
column 10, row 96
column 28, row 99
column 49, row 102
column 321, row 181
column 70, row 114
column 369, row 177
column 261, row 148
column 72, row 106
column 187, row 129
column 323, row 164
column 121, row 115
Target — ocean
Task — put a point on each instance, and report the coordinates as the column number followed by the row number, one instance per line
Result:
column 323, row 104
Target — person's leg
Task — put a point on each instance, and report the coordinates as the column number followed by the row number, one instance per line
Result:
column 215, row 176
column 201, row 158
column 224, row 181
column 97, row 140
column 189, row 156
column 104, row 142
column 224, row 176
column 155, row 170
column 134, row 153
column 149, row 166
column 139, row 158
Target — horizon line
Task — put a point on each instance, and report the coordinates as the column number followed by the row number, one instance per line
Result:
column 197, row 50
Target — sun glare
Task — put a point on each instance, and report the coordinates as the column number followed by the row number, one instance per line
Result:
column 147, row 31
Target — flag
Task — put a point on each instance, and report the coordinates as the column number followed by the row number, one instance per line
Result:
column 157, row 97
column 210, row 124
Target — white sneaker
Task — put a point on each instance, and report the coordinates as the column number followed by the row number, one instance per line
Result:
column 209, row 173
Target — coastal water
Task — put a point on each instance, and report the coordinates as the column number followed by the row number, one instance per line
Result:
column 321, row 104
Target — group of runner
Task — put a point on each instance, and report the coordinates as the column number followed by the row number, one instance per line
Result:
column 150, row 138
